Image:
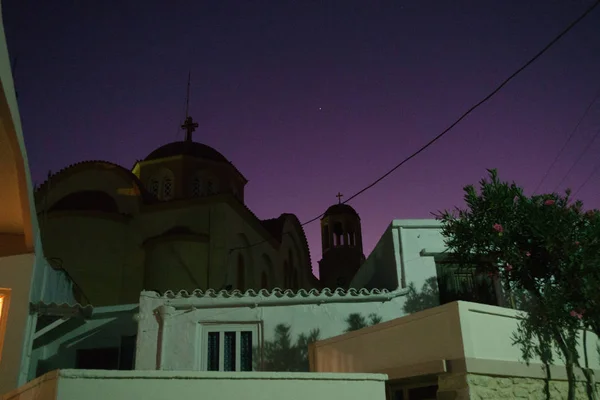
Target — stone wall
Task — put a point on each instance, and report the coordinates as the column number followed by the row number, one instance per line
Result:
column 483, row 387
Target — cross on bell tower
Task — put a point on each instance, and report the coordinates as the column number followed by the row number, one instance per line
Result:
column 189, row 126
column 339, row 196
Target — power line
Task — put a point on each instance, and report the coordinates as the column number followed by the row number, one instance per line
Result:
column 596, row 169
column 463, row 116
column 585, row 150
column 587, row 110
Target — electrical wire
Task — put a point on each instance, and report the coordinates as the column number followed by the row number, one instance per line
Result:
column 463, row 116
column 581, row 154
column 587, row 110
column 596, row 169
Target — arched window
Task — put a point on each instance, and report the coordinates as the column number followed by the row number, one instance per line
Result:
column 286, row 275
column 167, row 188
column 295, row 285
column 212, row 186
column 264, row 281
column 196, row 187
column 153, row 187
column 292, row 280
column 325, row 237
column 241, row 273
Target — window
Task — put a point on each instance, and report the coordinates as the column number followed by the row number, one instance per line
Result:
column 234, row 191
column 457, row 282
column 295, row 279
column 241, row 273
column 211, row 187
column 287, row 276
column 264, row 281
column 196, row 187
column 153, row 187
column 167, row 189
column 229, row 348
column 325, row 237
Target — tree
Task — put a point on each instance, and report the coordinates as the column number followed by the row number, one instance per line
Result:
column 282, row 354
column 429, row 296
column 356, row 321
column 539, row 246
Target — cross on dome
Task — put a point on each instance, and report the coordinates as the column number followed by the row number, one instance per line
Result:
column 339, row 196
column 189, row 126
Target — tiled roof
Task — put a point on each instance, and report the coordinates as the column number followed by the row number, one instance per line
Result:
column 144, row 194
column 62, row 309
column 264, row 293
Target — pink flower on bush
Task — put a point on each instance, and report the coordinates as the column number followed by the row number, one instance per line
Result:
column 508, row 267
column 528, row 254
column 498, row 228
column 577, row 243
column 578, row 315
column 549, row 202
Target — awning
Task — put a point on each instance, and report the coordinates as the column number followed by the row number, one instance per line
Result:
column 62, row 310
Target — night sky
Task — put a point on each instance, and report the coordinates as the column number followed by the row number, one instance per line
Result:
column 308, row 98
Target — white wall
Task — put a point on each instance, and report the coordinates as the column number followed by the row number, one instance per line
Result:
column 160, row 385
column 404, row 254
column 185, row 319
column 15, row 275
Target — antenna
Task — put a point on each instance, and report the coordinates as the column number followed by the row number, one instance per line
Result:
column 187, row 99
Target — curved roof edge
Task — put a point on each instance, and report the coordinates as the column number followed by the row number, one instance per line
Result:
column 83, row 165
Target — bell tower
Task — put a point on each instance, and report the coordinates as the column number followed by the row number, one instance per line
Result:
column 342, row 246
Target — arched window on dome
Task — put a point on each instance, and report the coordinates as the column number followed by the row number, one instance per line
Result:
column 167, row 188
column 235, row 191
column 241, row 273
column 196, row 187
column 154, row 186
column 212, row 186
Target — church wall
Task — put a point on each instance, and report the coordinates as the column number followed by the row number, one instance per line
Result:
column 300, row 259
column 176, row 263
column 100, row 253
column 236, row 233
column 283, row 329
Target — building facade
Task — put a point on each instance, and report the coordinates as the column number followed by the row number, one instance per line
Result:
column 25, row 276
column 176, row 221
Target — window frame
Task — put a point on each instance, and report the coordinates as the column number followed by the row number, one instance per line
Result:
column 221, row 328
column 4, row 308
column 167, row 188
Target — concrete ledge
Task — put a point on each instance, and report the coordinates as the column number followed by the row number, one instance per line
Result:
column 200, row 375
column 511, row 369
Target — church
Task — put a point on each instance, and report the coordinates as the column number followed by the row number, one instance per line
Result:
column 177, row 221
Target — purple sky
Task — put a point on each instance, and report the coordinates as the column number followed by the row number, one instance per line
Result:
column 308, row 98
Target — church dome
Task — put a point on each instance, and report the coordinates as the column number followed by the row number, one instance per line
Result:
column 338, row 209
column 187, row 148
